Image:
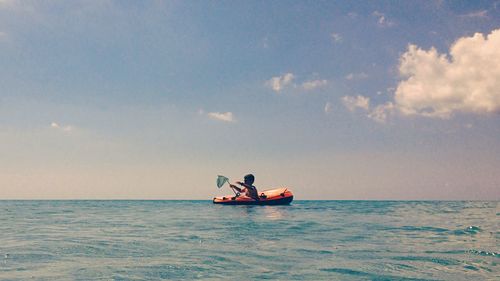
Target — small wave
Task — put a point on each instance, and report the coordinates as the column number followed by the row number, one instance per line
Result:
column 303, row 226
column 311, row 252
column 424, row 228
column 470, row 230
column 471, row 267
column 452, row 252
column 484, row 253
column 371, row 276
column 440, row 261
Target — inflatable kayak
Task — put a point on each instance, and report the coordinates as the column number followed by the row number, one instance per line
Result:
column 278, row 196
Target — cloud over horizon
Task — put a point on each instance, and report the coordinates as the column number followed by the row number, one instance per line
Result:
column 313, row 84
column 437, row 85
column 467, row 80
column 328, row 108
column 222, row 116
column 382, row 19
column 277, row 83
column 352, row 103
column 337, row 38
column 57, row 126
column 356, row 76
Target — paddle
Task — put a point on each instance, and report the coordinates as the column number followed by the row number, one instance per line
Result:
column 221, row 180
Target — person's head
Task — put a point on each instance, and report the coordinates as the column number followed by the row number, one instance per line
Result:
column 249, row 179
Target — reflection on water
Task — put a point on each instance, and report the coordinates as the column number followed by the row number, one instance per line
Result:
column 248, row 211
column 273, row 212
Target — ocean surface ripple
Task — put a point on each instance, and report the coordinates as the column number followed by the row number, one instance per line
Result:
column 308, row 240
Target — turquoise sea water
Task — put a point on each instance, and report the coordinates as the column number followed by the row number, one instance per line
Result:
column 308, row 240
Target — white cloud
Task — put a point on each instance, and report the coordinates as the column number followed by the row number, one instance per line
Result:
column 66, row 128
column 356, row 76
column 265, row 43
column 279, row 82
column 313, row 84
column 477, row 14
column 382, row 19
column 336, row 37
column 352, row 15
column 226, row 116
column 437, row 85
column 356, row 102
column 328, row 107
column 380, row 112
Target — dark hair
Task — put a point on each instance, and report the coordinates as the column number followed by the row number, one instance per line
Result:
column 249, row 179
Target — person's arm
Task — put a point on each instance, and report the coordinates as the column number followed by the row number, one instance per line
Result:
column 235, row 187
column 242, row 184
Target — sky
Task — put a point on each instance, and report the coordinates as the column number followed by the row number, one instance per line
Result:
column 333, row 99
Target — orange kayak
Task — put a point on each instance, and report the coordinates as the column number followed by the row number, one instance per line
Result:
column 278, row 196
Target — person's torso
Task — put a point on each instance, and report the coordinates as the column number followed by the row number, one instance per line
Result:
column 251, row 191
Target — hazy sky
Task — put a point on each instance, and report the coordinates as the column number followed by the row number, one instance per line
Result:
column 337, row 100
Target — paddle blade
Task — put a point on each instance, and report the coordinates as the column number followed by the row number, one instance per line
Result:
column 221, row 180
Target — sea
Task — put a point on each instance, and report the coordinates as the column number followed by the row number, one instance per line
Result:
column 197, row 240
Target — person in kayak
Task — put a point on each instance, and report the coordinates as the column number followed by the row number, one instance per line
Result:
column 248, row 188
